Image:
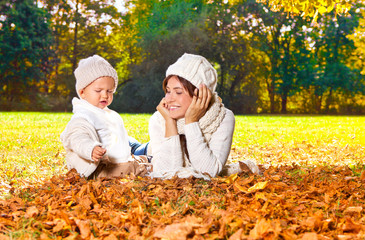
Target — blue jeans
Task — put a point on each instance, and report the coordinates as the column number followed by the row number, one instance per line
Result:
column 137, row 148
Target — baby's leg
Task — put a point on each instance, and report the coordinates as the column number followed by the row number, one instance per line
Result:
column 138, row 167
column 84, row 167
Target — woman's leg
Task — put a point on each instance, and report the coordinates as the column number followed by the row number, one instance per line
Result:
column 137, row 148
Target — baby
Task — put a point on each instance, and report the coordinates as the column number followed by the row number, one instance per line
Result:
column 95, row 139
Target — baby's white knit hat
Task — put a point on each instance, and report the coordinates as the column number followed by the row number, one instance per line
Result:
column 92, row 68
column 196, row 69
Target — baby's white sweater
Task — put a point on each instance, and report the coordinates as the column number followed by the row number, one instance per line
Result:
column 90, row 127
column 204, row 157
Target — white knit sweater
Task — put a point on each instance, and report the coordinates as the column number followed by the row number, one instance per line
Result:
column 205, row 157
column 89, row 127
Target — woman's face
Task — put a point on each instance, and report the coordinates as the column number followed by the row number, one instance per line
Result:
column 177, row 98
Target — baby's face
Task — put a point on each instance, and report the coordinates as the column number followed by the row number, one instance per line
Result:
column 99, row 93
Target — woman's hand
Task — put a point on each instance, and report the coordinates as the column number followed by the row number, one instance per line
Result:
column 162, row 108
column 98, row 153
column 199, row 105
column 170, row 123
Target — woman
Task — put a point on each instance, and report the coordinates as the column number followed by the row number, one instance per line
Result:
column 191, row 133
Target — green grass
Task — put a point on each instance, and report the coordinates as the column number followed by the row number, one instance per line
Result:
column 137, row 126
column 263, row 130
column 30, row 147
column 305, row 140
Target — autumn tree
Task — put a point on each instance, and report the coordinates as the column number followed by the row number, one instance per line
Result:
column 230, row 51
column 165, row 30
column 81, row 28
column 281, row 39
column 26, row 53
column 338, row 48
column 358, row 37
column 302, row 56
column 357, row 62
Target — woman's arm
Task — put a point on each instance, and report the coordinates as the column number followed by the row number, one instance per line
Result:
column 166, row 151
column 210, row 158
column 170, row 124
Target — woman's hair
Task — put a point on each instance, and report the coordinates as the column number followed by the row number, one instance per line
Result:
column 186, row 84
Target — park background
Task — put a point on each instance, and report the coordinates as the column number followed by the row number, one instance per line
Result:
column 268, row 61
column 304, row 58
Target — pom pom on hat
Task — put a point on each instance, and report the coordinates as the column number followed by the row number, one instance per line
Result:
column 196, row 69
column 92, row 68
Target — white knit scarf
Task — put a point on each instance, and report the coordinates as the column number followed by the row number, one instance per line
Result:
column 210, row 121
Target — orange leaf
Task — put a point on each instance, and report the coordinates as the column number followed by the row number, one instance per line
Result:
column 353, row 210
column 242, row 189
column 231, row 178
column 111, row 237
column 6, row 222
column 60, row 225
column 351, row 227
column 260, row 195
column 4, row 237
column 84, row 227
column 92, row 197
column 236, row 235
column 257, row 186
column 265, row 228
column 174, row 231
column 276, row 177
column 32, row 212
column 310, row 236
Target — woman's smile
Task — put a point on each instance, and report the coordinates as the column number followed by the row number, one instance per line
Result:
column 172, row 108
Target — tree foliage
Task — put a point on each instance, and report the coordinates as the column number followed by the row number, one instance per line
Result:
column 165, row 30
column 82, row 28
column 168, row 29
column 333, row 49
column 308, row 7
column 230, row 50
column 304, row 57
column 267, row 61
column 26, row 54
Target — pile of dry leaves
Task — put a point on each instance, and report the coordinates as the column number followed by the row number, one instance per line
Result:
column 282, row 203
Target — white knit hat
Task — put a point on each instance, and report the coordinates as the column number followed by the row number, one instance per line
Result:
column 196, row 69
column 92, row 68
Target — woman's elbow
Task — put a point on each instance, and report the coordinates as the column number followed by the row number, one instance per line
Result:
column 213, row 171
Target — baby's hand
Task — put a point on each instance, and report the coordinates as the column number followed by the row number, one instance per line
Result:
column 98, row 153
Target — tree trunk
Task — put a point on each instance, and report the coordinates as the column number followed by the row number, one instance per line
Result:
column 328, row 101
column 74, row 57
column 271, row 90
column 272, row 102
column 220, row 85
column 284, row 101
column 317, row 103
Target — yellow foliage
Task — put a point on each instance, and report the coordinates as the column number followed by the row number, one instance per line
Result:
column 308, row 7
